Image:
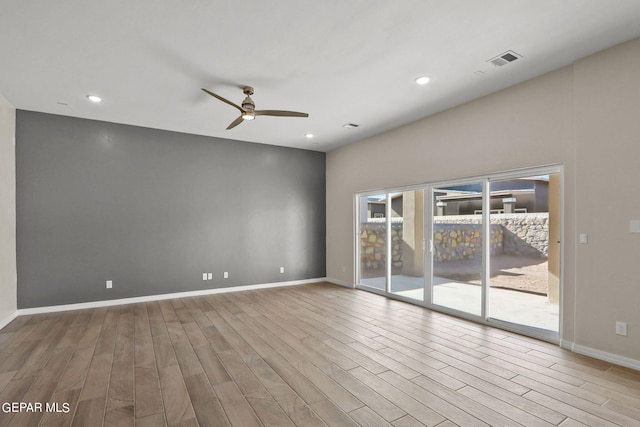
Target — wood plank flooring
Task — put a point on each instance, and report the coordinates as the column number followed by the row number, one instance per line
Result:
column 310, row 355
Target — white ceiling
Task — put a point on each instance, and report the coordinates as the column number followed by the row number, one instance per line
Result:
column 338, row 60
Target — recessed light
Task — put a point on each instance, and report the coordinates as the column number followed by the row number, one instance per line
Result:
column 422, row 80
column 94, row 98
column 309, row 135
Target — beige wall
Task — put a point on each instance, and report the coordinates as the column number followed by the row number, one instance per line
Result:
column 7, row 211
column 607, row 124
column 584, row 116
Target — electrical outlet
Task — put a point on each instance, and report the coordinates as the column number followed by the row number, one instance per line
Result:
column 226, row 275
column 109, row 284
column 621, row 328
column 344, row 268
column 584, row 239
column 204, row 276
column 281, row 270
column 209, row 276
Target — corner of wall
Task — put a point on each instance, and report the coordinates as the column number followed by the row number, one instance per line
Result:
column 341, row 283
column 4, row 321
column 8, row 272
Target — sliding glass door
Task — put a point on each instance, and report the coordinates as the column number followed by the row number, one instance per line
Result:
column 391, row 243
column 457, row 247
column 525, row 271
column 486, row 248
column 373, row 241
column 407, row 245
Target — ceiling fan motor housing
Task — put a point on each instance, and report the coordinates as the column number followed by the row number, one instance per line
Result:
column 248, row 104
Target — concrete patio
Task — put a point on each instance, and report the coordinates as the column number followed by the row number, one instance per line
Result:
column 509, row 305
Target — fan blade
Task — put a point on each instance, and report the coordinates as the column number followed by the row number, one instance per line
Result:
column 235, row 123
column 280, row 113
column 223, row 100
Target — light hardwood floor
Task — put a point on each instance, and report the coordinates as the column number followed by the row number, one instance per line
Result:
column 304, row 355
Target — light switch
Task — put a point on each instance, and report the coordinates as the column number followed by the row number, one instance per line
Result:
column 634, row 226
column 584, row 239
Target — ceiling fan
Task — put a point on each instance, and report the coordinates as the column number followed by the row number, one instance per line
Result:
column 248, row 110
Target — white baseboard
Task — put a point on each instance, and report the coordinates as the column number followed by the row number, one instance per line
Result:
column 616, row 359
column 340, row 282
column 149, row 298
column 4, row 322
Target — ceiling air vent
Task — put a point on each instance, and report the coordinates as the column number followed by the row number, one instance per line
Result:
column 505, row 58
column 350, row 125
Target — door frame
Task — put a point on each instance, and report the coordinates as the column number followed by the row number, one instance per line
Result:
column 427, row 302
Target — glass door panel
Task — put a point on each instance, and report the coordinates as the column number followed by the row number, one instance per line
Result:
column 457, row 247
column 373, row 241
column 525, row 268
column 407, row 244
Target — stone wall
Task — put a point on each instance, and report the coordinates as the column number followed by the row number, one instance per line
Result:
column 454, row 242
column 511, row 234
column 373, row 238
column 525, row 234
column 459, row 237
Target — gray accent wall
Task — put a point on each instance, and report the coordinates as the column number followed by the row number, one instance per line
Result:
column 153, row 210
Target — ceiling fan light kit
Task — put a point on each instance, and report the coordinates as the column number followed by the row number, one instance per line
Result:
column 248, row 109
column 94, row 98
